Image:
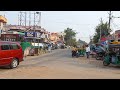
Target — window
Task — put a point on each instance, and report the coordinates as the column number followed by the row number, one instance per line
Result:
column 14, row 46
column 5, row 47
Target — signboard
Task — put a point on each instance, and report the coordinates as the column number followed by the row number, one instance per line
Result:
column 30, row 34
column 117, row 31
column 38, row 35
column 42, row 35
column 103, row 43
column 9, row 37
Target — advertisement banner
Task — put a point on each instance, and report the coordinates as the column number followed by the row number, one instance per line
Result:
column 38, row 35
column 30, row 34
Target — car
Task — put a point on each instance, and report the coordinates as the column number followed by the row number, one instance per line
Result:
column 11, row 54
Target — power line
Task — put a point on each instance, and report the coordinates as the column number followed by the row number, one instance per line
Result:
column 114, row 23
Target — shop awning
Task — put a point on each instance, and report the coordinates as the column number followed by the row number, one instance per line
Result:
column 21, row 33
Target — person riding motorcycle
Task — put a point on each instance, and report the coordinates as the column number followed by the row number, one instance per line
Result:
column 74, row 51
column 100, row 51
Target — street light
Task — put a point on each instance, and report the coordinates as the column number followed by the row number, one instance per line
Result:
column 35, row 21
column 40, row 25
column 39, row 17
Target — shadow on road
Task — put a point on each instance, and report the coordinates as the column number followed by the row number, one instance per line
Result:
column 4, row 67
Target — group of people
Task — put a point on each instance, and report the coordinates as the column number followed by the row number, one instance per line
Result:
column 86, row 48
column 97, row 48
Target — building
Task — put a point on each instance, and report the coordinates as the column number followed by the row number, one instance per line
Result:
column 81, row 43
column 24, row 28
column 54, row 37
column 3, row 22
column 117, row 35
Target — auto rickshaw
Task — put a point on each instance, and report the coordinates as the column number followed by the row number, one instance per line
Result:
column 81, row 52
column 113, row 54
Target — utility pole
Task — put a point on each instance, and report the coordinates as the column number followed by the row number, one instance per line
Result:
column 39, row 19
column 109, row 24
column 34, row 28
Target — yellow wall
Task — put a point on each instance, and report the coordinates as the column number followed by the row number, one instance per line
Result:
column 3, row 19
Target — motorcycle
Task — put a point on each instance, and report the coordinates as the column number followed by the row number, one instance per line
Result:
column 100, row 55
column 74, row 53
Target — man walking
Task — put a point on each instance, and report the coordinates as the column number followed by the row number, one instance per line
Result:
column 87, row 51
column 49, row 48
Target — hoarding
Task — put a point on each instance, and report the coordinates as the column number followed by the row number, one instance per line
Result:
column 9, row 37
column 30, row 34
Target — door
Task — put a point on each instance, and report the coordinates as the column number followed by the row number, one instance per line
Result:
column 16, row 51
column 5, row 55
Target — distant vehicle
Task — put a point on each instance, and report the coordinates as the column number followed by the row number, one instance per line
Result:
column 11, row 54
column 56, row 46
column 53, row 47
column 62, row 47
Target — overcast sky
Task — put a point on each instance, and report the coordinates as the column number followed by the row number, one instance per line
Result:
column 84, row 22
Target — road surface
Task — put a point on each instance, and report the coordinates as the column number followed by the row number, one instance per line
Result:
column 60, row 65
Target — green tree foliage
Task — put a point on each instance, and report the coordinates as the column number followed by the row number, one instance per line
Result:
column 105, row 31
column 70, row 37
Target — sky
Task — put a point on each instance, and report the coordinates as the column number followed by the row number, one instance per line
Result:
column 83, row 22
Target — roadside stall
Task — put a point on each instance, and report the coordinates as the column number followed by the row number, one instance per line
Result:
column 113, row 54
column 34, row 39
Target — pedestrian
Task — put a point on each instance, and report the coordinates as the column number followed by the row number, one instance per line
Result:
column 26, row 52
column 49, row 48
column 87, row 51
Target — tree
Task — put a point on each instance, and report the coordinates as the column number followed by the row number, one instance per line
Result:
column 70, row 37
column 105, row 31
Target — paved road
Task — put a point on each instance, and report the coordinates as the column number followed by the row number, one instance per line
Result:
column 60, row 65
